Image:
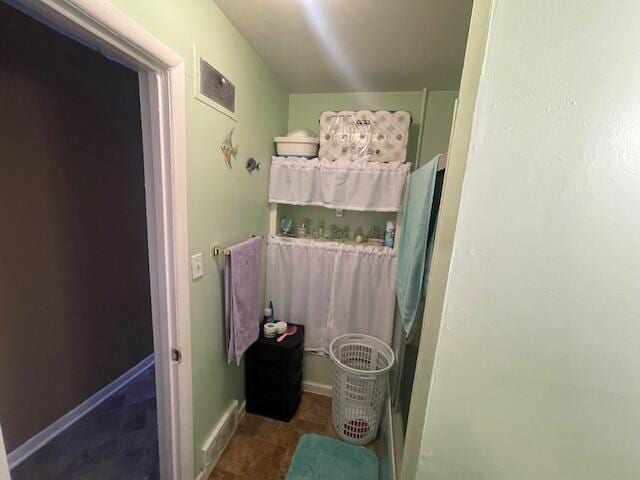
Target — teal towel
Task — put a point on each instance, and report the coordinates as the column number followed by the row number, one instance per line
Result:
column 324, row 458
column 411, row 281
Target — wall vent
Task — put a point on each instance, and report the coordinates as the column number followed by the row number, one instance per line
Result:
column 219, row 438
column 217, row 87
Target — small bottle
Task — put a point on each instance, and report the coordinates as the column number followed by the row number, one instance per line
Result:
column 267, row 315
column 389, row 234
column 358, row 236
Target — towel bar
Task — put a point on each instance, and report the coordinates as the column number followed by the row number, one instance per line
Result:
column 217, row 250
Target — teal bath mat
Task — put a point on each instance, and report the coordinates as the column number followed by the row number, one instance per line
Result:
column 323, row 458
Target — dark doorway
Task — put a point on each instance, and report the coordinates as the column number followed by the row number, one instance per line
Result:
column 75, row 307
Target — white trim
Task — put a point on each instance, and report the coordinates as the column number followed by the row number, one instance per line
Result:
column 4, row 467
column 101, row 26
column 242, row 411
column 17, row 456
column 387, row 446
column 273, row 219
column 317, row 388
column 398, row 431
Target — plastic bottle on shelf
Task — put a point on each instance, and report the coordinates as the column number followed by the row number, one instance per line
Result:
column 389, row 234
column 267, row 315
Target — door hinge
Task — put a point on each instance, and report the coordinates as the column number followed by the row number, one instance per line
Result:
column 176, row 355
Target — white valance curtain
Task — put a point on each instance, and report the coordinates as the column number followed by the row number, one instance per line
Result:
column 352, row 185
column 332, row 288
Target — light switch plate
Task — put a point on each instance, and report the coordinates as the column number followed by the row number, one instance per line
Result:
column 197, row 269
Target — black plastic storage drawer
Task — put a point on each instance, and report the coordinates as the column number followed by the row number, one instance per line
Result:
column 269, row 404
column 273, row 377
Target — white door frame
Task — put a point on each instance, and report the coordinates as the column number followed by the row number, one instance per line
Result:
column 101, row 26
column 4, row 466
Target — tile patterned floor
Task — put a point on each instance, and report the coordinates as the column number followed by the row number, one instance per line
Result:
column 261, row 448
column 117, row 440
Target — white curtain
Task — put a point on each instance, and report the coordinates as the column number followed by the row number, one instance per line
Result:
column 352, row 185
column 363, row 293
column 332, row 288
column 299, row 284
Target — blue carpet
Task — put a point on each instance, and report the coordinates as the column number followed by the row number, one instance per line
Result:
column 323, row 458
column 117, row 440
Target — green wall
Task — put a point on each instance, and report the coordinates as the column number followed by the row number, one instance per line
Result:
column 437, row 123
column 304, row 112
column 537, row 362
column 350, row 218
column 305, row 109
column 444, row 240
column 224, row 206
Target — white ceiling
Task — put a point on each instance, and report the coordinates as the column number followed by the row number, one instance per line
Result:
column 357, row 45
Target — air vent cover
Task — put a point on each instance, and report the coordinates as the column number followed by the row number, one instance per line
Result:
column 217, row 87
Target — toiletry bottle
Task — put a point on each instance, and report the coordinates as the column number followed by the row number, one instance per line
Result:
column 267, row 315
column 389, row 234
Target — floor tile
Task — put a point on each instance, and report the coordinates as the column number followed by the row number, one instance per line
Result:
column 250, row 423
column 314, row 408
column 284, row 465
column 218, row 474
column 262, row 448
column 330, row 431
column 276, row 432
column 374, row 447
column 252, row 457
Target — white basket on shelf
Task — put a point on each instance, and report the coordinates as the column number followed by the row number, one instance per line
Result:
column 362, row 365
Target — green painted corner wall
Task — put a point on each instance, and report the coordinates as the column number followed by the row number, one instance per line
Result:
column 537, row 359
column 350, row 218
column 444, row 241
column 437, row 123
column 304, row 112
column 435, row 127
column 223, row 206
column 305, row 109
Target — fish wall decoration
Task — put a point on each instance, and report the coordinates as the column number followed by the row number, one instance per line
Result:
column 229, row 150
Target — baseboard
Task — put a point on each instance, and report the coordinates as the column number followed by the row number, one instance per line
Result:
column 391, row 440
column 398, row 440
column 219, row 437
column 317, row 388
column 242, row 411
column 17, row 456
column 386, row 449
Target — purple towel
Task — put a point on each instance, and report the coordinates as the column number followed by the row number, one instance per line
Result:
column 242, row 296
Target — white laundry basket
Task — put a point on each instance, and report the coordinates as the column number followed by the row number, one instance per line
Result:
column 362, row 365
